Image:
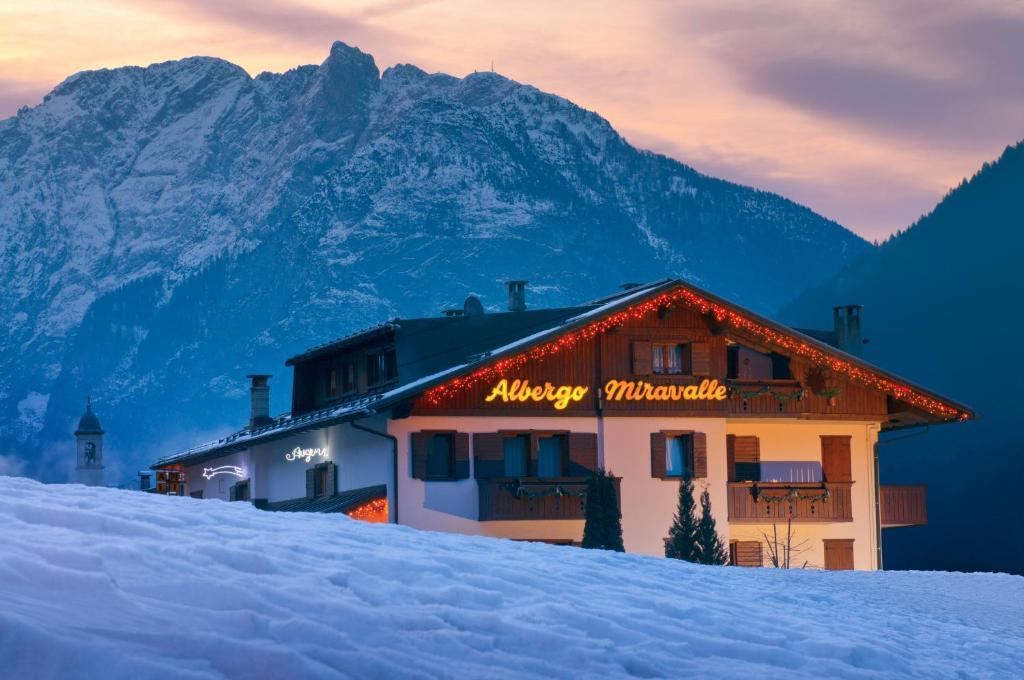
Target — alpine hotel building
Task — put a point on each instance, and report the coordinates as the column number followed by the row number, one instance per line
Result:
column 490, row 423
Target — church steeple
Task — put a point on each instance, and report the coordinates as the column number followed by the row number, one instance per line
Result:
column 89, row 440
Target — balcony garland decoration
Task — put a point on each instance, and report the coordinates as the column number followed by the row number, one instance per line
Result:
column 520, row 490
column 792, row 495
column 722, row 316
column 763, row 391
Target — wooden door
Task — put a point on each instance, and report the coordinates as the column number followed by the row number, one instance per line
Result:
column 835, row 459
column 838, row 553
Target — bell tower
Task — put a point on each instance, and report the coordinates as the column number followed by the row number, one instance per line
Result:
column 89, row 440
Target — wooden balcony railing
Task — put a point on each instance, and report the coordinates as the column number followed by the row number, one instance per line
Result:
column 781, row 501
column 903, row 506
column 509, row 498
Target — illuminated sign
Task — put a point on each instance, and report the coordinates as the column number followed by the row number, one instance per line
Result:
column 305, row 455
column 561, row 396
column 520, row 390
column 638, row 390
column 210, row 473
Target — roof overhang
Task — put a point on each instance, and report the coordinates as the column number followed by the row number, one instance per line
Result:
column 633, row 304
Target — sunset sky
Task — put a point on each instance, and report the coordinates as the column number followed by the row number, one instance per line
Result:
column 867, row 112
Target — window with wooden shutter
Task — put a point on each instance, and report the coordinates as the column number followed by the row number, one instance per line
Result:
column 441, row 455
column 700, row 358
column 743, row 456
column 310, row 483
column 835, row 459
column 489, row 455
column 420, row 442
column 642, row 357
column 746, row 554
column 582, row 454
column 838, row 553
column 659, row 446
column 552, row 456
column 330, row 479
column 700, row 455
column 461, row 455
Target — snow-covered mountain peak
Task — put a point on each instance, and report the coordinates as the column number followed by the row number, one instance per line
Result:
column 301, row 205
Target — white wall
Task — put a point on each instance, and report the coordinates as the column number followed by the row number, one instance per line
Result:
column 219, row 485
column 455, row 506
column 650, row 503
column 363, row 460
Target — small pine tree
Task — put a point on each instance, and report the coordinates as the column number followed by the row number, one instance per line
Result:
column 603, row 527
column 682, row 536
column 710, row 549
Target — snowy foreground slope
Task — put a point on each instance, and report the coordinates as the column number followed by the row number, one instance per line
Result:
column 105, row 583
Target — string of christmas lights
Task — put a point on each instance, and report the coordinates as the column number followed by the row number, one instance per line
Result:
column 722, row 315
column 375, row 511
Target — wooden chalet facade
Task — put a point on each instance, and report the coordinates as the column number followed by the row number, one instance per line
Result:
column 491, row 423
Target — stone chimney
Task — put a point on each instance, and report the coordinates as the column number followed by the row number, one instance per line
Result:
column 259, row 414
column 516, row 296
column 846, row 321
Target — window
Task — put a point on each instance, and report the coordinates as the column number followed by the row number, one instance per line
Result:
column 320, row 481
column 679, row 456
column 516, row 454
column 381, row 367
column 550, row 456
column 341, row 379
column 670, row 358
column 746, row 364
column 240, row 491
column 440, row 456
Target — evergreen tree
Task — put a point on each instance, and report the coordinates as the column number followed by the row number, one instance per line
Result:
column 682, row 536
column 710, row 549
column 603, row 527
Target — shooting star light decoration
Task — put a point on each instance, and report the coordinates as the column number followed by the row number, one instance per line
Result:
column 210, row 473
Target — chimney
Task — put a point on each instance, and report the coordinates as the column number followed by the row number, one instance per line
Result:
column 516, row 296
column 260, row 393
column 846, row 321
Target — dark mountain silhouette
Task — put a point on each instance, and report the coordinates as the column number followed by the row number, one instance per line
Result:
column 943, row 306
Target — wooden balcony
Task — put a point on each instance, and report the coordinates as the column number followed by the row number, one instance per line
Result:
column 903, row 506
column 510, row 498
column 767, row 502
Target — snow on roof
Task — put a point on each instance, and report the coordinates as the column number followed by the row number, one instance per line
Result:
column 122, row 585
column 362, row 407
column 372, row 404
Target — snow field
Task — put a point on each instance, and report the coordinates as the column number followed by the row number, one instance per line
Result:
column 119, row 584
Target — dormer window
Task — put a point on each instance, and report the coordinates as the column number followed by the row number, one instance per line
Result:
column 381, row 367
column 341, row 379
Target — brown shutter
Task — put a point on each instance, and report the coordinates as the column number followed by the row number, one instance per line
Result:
column 730, row 456
column 310, row 483
column 835, row 459
column 838, row 553
column 582, row 454
column 233, row 493
column 642, row 360
column 420, row 446
column 744, row 456
column 746, row 554
column 332, row 480
column 461, row 455
column 700, row 358
column 489, row 454
column 658, row 455
column 700, row 455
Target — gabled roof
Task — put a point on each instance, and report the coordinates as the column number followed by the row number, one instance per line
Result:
column 563, row 327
